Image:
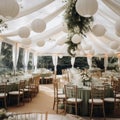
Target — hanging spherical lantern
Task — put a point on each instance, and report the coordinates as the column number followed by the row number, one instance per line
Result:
column 26, row 42
column 76, row 39
column 98, row 30
column 117, row 27
column 24, row 32
column 114, row 45
column 79, row 46
column 38, row 25
column 86, row 8
column 82, row 53
column 9, row 8
column 41, row 43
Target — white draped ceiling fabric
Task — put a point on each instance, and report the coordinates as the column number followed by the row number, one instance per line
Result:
column 52, row 39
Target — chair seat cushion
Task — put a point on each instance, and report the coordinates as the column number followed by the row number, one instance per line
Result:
column 74, row 100
column 15, row 93
column 61, row 96
column 3, row 95
column 27, row 89
column 96, row 101
column 118, row 95
column 111, row 100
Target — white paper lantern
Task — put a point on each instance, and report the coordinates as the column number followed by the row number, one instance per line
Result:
column 117, row 27
column 38, row 25
column 24, row 32
column 82, row 53
column 76, row 39
column 9, row 8
column 26, row 42
column 98, row 30
column 114, row 45
column 79, row 46
column 86, row 8
column 41, row 43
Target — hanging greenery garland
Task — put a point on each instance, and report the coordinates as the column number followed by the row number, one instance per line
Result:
column 76, row 24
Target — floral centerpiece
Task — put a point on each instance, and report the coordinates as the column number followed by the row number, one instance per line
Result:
column 85, row 78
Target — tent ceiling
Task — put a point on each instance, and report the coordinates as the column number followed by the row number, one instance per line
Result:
column 51, row 11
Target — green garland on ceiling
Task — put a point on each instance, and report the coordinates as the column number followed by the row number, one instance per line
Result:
column 76, row 24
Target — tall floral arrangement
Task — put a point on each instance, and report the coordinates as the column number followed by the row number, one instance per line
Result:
column 76, row 24
column 86, row 77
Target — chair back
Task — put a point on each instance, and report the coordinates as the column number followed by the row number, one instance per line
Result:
column 71, row 91
column 3, row 87
column 36, row 80
column 21, row 85
column 55, row 86
column 97, row 92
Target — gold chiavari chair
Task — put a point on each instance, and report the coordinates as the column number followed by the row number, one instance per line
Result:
column 71, row 97
column 97, row 99
column 59, row 97
column 18, row 94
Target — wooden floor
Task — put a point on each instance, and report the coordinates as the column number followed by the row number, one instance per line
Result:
column 44, row 102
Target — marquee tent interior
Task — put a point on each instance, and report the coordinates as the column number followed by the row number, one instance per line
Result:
column 50, row 37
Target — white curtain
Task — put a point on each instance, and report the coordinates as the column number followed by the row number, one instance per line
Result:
column 105, row 62
column 72, row 61
column 55, row 61
column 119, row 62
column 0, row 47
column 89, row 61
column 15, row 55
column 26, row 59
column 35, row 61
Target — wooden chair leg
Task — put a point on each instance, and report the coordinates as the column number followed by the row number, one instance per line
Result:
column 91, row 112
column 104, row 112
column 54, row 105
